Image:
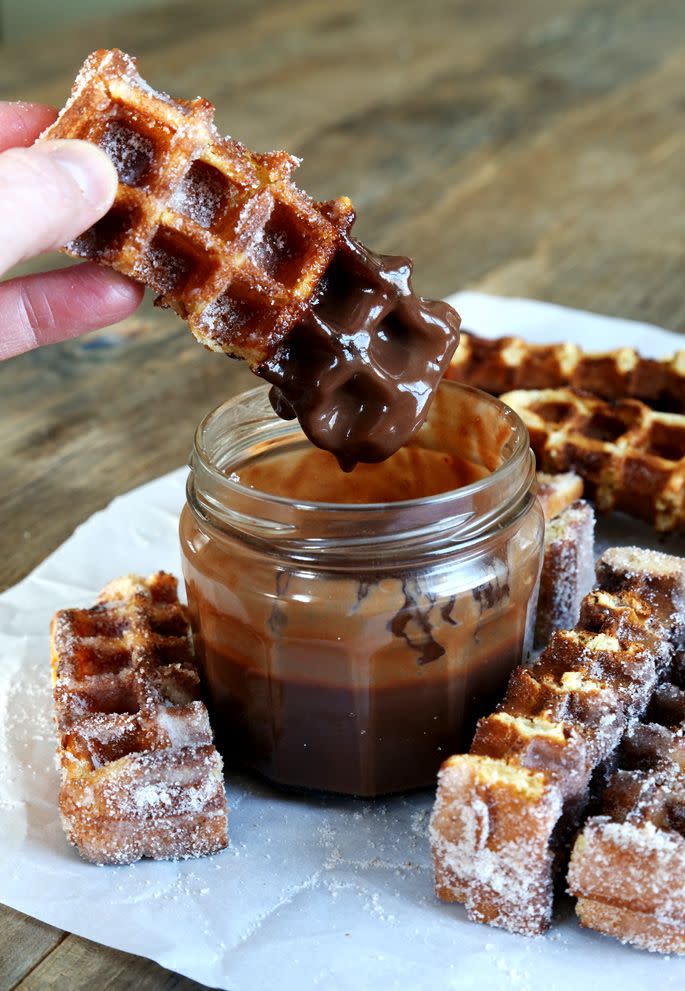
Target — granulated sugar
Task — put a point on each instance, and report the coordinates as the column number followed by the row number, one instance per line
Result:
column 290, row 904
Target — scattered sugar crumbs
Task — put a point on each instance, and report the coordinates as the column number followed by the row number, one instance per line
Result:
column 30, row 725
column 184, row 886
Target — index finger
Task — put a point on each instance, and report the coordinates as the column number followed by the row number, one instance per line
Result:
column 21, row 123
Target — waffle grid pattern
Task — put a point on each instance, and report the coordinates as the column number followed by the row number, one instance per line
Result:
column 506, row 363
column 221, row 234
column 506, row 812
column 630, row 457
column 627, row 868
column 140, row 775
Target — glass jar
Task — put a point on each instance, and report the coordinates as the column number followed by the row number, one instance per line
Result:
column 350, row 645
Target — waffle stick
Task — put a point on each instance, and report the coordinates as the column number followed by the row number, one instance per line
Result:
column 505, row 363
column 557, row 492
column 220, row 233
column 567, row 573
column 140, row 774
column 505, row 812
column 630, row 458
column 627, row 868
column 257, row 269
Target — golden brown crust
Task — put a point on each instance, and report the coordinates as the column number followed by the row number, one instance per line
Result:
column 485, row 835
column 631, row 458
column 140, row 774
column 505, row 813
column 219, row 232
column 556, row 492
column 567, row 570
column 641, row 929
column 628, row 878
column 505, row 363
column 627, row 867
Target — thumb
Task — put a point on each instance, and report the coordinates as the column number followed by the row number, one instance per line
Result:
column 49, row 194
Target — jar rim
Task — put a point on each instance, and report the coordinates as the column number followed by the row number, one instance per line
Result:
column 246, row 427
column 520, row 448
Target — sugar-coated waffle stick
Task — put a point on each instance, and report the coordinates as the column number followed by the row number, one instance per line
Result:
column 140, row 774
column 505, row 813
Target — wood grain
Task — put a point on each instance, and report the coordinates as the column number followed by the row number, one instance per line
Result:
column 24, row 943
column 78, row 963
column 527, row 149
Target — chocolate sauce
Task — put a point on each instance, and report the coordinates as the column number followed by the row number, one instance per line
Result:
column 311, row 475
column 360, row 368
column 357, row 739
column 349, row 647
column 353, row 686
column 352, row 680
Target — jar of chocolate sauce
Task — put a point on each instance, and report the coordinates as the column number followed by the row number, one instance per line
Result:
column 352, row 626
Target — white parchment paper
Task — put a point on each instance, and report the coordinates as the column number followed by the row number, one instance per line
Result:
column 313, row 892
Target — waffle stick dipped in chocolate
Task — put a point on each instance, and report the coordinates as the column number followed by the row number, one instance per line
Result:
column 505, row 363
column 631, row 458
column 505, row 812
column 257, row 269
column 627, row 868
column 140, row 774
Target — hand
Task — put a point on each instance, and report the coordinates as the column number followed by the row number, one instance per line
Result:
column 50, row 193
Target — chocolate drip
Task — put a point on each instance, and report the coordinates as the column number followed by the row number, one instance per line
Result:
column 497, row 587
column 412, row 622
column 278, row 618
column 446, row 611
column 360, row 368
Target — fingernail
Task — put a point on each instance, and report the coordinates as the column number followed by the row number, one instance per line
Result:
column 89, row 167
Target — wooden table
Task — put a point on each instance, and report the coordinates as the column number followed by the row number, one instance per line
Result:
column 533, row 148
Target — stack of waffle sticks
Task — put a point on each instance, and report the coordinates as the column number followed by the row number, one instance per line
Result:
column 140, row 774
column 507, row 812
column 616, row 419
column 627, row 867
